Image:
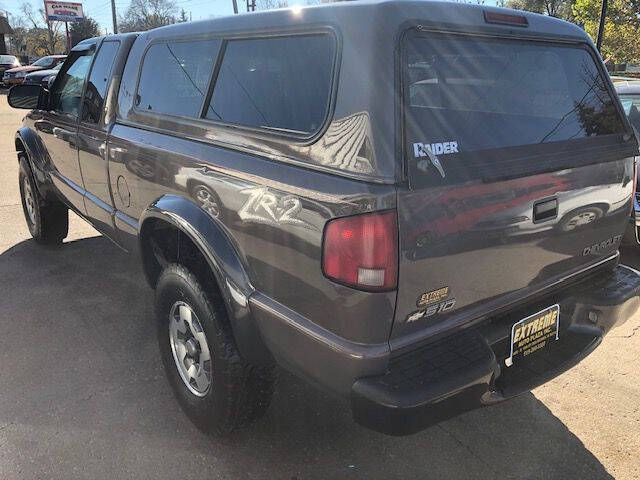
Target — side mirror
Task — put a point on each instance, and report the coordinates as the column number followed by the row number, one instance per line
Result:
column 25, row 96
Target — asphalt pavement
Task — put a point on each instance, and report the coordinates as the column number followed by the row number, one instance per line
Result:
column 83, row 394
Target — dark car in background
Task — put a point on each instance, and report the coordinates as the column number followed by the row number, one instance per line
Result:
column 15, row 76
column 8, row 62
column 629, row 93
column 42, row 77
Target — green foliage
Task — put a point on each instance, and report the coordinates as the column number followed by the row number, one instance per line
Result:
column 621, row 41
column 86, row 28
column 622, row 28
column 555, row 8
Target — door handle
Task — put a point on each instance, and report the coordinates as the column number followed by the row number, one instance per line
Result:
column 60, row 133
column 65, row 136
column 544, row 210
column 116, row 152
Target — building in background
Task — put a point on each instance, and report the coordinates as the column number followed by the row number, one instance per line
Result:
column 5, row 29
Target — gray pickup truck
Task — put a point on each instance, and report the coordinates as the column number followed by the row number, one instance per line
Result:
column 416, row 205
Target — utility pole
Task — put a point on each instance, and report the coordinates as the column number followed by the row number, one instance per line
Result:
column 52, row 45
column 235, row 6
column 113, row 16
column 603, row 17
column 66, row 30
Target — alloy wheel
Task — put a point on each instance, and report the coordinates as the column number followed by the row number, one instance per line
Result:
column 29, row 201
column 190, row 349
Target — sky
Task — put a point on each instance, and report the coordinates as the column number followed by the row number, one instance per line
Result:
column 100, row 10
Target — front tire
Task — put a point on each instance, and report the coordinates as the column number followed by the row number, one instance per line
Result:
column 218, row 390
column 48, row 221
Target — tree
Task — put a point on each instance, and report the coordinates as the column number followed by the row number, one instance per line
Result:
column 147, row 14
column 183, row 16
column 622, row 27
column 554, row 8
column 17, row 43
column 45, row 36
column 85, row 28
column 271, row 4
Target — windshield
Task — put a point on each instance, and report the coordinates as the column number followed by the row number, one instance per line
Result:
column 473, row 95
column 44, row 62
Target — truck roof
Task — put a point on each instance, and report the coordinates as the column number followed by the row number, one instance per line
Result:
column 90, row 41
column 377, row 14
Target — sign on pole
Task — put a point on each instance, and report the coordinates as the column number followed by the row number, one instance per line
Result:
column 63, row 11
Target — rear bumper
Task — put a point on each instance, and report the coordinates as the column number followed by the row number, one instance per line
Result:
column 439, row 380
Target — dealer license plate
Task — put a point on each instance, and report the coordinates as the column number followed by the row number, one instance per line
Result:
column 533, row 333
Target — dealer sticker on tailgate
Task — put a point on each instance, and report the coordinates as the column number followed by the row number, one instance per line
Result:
column 533, row 333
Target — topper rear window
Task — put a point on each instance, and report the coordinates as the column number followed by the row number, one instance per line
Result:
column 467, row 94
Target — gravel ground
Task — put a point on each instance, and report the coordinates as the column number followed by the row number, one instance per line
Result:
column 82, row 393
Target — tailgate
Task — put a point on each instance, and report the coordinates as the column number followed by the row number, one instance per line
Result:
column 520, row 170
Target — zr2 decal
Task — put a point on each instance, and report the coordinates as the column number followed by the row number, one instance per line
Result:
column 264, row 207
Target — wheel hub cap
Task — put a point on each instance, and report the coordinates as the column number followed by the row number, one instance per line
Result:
column 190, row 349
column 29, row 202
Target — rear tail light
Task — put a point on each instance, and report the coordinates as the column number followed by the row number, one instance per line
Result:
column 362, row 251
column 506, row 19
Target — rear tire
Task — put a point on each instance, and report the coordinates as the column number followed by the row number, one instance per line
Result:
column 218, row 390
column 48, row 221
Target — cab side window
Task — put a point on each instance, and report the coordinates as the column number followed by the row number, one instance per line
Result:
column 67, row 90
column 94, row 95
column 175, row 75
column 279, row 83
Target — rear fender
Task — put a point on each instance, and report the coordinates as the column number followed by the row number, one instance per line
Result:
column 225, row 261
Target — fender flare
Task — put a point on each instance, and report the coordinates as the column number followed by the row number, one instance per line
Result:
column 31, row 142
column 225, row 261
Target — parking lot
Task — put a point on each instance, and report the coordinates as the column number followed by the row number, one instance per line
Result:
column 83, row 395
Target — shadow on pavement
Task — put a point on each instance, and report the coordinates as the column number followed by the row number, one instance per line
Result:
column 83, row 395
